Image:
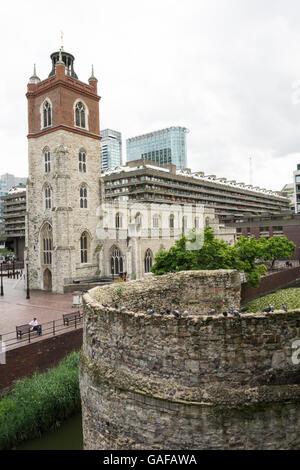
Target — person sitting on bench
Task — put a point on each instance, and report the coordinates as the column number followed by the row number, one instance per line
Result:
column 35, row 326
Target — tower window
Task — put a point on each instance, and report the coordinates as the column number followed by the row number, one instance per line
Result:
column 84, row 248
column 46, row 244
column 83, row 197
column 47, row 161
column 46, row 114
column 82, row 161
column 119, row 220
column 80, row 115
column 47, row 197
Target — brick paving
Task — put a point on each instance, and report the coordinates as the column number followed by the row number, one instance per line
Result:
column 15, row 309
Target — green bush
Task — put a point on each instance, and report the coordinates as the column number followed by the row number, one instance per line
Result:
column 40, row 403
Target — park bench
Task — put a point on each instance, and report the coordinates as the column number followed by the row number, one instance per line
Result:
column 25, row 330
column 73, row 316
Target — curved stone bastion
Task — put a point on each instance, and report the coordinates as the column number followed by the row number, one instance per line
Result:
column 194, row 382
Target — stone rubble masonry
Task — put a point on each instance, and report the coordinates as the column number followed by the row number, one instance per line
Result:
column 182, row 292
column 196, row 382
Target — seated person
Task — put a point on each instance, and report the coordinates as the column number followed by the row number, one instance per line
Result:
column 35, row 326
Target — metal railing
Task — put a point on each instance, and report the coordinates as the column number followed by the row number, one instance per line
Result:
column 12, row 270
column 279, row 266
column 48, row 329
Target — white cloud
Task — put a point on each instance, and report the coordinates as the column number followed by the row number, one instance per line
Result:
column 223, row 68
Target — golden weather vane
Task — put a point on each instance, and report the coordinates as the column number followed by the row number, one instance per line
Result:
column 62, row 39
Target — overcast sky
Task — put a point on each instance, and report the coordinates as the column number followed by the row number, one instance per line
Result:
column 228, row 70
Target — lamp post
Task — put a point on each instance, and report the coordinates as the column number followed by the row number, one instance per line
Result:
column 27, row 278
column 1, row 290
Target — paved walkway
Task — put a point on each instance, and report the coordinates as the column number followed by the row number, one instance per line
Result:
column 16, row 310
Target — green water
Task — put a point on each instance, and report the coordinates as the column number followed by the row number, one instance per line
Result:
column 67, row 437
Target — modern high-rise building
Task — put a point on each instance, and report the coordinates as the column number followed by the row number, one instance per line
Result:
column 164, row 147
column 289, row 191
column 111, row 149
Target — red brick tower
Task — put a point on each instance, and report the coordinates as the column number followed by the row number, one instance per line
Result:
column 63, row 190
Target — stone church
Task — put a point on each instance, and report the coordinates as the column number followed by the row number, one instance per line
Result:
column 71, row 233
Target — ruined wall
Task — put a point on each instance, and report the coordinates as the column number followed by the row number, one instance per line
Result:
column 194, row 291
column 196, row 382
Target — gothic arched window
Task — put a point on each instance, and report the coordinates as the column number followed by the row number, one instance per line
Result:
column 46, row 244
column 148, row 260
column 83, row 197
column 84, row 247
column 171, row 221
column 47, row 114
column 80, row 117
column 116, row 261
column 47, row 160
column 82, row 161
column 48, row 202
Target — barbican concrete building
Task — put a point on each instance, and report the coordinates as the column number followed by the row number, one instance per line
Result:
column 14, row 212
column 145, row 181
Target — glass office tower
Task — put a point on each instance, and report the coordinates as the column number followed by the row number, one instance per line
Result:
column 165, row 147
column 111, row 149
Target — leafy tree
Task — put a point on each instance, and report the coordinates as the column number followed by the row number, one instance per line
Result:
column 178, row 258
column 5, row 252
column 216, row 254
column 275, row 248
column 245, row 254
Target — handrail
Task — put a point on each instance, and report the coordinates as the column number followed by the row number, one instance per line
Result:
column 51, row 328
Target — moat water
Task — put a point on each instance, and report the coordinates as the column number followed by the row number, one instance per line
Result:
column 67, row 437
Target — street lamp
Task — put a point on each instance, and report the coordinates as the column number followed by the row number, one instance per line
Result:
column 1, row 289
column 27, row 278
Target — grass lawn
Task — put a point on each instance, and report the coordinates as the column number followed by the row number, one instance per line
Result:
column 40, row 403
column 289, row 297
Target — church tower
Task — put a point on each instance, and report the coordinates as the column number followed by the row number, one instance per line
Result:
column 63, row 188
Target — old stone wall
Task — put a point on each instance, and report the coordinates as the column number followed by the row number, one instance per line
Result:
column 195, row 291
column 195, row 382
